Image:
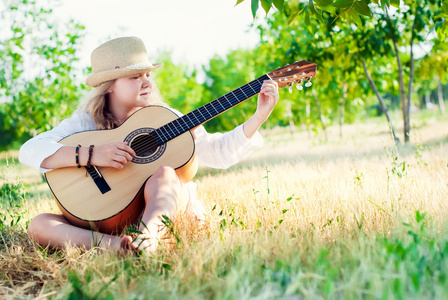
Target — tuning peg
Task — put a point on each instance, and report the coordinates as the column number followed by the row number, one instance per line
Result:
column 290, row 89
column 308, row 84
column 299, row 86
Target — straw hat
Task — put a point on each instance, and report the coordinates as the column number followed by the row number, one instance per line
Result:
column 117, row 58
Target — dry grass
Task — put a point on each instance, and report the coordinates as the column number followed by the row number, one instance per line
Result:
column 298, row 219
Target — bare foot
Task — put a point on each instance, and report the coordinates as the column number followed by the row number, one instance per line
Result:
column 126, row 243
column 145, row 242
column 118, row 244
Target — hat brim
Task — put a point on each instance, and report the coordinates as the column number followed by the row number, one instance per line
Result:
column 96, row 79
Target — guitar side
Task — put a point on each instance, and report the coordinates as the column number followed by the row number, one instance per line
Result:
column 81, row 200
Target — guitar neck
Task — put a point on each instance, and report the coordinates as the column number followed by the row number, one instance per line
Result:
column 208, row 111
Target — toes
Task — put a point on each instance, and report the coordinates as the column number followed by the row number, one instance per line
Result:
column 146, row 244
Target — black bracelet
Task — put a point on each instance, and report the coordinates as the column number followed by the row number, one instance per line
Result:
column 77, row 156
column 90, row 155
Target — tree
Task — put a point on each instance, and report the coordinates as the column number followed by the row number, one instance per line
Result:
column 348, row 10
column 433, row 71
column 397, row 33
column 39, row 83
column 339, row 85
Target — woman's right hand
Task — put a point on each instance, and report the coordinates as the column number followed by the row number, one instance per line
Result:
column 115, row 155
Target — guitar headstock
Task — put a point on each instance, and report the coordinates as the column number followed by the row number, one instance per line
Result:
column 295, row 73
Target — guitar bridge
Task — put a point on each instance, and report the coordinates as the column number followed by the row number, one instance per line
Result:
column 98, row 179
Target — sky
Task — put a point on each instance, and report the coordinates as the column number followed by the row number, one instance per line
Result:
column 194, row 30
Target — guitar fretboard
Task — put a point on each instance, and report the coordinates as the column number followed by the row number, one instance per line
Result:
column 208, row 111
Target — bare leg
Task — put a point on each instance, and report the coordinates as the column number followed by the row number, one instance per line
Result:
column 55, row 231
column 163, row 197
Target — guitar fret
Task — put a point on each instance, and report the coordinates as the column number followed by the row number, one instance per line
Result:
column 176, row 127
column 251, row 88
column 166, row 134
column 203, row 118
column 217, row 111
column 194, row 115
column 231, row 104
column 243, row 92
column 191, row 122
column 202, row 111
column 240, row 95
column 237, row 100
column 209, row 107
column 164, row 139
column 220, row 103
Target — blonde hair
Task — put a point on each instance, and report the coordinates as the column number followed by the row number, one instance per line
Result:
column 96, row 103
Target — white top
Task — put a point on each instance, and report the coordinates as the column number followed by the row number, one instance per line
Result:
column 217, row 150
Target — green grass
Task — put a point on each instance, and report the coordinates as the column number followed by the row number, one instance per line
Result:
column 356, row 218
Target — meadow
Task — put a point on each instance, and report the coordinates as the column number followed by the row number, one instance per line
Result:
column 353, row 218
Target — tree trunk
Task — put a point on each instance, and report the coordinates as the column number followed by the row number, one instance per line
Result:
column 308, row 117
column 411, row 79
column 426, row 98
column 322, row 119
column 382, row 103
column 342, row 108
column 289, row 115
column 440, row 96
column 404, row 103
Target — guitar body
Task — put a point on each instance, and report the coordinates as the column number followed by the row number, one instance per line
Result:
column 88, row 204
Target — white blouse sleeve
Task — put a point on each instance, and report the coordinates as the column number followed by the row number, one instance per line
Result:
column 223, row 150
column 37, row 149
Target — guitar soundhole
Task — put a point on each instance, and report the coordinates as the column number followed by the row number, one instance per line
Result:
column 144, row 145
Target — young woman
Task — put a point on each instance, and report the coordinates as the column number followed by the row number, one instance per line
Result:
column 121, row 76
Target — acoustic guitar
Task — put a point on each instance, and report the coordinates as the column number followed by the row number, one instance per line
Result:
column 106, row 199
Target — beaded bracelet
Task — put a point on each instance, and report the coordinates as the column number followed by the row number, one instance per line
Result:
column 77, row 156
column 90, row 155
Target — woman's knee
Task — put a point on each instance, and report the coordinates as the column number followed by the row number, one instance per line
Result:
column 166, row 173
column 41, row 224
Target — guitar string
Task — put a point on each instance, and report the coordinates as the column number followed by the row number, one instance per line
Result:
column 144, row 146
column 239, row 95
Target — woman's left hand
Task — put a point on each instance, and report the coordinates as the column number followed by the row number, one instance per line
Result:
column 267, row 99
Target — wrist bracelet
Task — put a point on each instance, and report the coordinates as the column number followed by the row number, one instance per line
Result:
column 77, row 156
column 90, row 155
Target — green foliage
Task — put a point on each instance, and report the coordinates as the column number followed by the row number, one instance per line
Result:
column 350, row 11
column 178, row 85
column 12, row 196
column 169, row 226
column 81, row 288
column 39, row 83
column 420, row 257
column 339, row 40
column 398, row 167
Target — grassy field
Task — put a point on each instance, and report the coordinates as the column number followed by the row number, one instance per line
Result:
column 354, row 218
